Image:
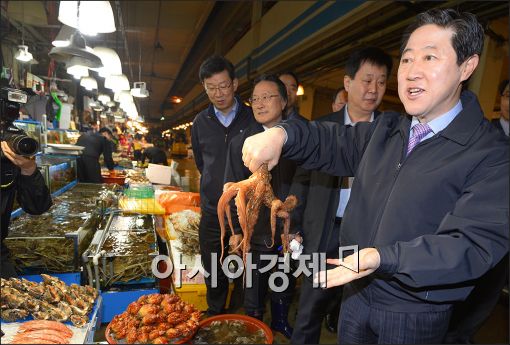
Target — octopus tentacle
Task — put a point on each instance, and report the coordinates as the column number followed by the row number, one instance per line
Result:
column 229, row 192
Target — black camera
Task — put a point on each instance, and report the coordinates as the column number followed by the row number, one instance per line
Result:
column 16, row 138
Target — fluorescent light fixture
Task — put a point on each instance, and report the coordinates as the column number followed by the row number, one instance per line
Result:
column 23, row 54
column 139, row 90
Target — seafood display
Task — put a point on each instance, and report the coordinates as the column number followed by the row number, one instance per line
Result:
column 250, row 195
column 155, row 319
column 184, row 225
column 229, row 332
column 42, row 332
column 55, row 240
column 127, row 245
column 51, row 299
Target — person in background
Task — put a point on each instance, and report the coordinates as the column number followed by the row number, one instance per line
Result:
column 367, row 71
column 339, row 100
column 155, row 154
column 291, row 82
column 137, row 147
column 211, row 133
column 420, row 236
column 20, row 179
column 96, row 144
column 502, row 123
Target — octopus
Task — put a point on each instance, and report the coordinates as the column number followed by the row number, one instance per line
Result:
column 250, row 195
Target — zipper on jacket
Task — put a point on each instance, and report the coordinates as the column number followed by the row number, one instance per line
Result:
column 395, row 176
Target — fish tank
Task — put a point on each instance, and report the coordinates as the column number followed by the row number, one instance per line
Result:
column 56, row 240
column 59, row 171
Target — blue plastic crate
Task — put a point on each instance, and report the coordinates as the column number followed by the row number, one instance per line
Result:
column 116, row 302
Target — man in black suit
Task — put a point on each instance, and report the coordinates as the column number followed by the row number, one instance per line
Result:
column 502, row 122
column 323, row 197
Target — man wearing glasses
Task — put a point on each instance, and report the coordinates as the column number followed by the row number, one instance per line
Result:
column 212, row 131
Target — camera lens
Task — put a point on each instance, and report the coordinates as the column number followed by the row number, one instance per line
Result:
column 23, row 145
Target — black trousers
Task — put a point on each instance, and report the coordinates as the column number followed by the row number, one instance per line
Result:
column 209, row 238
column 89, row 169
column 315, row 303
column 361, row 323
column 255, row 295
column 468, row 316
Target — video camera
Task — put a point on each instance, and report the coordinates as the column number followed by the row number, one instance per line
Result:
column 16, row 138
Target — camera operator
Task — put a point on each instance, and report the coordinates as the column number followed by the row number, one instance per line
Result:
column 20, row 177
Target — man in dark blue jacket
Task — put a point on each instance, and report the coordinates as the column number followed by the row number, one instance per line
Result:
column 367, row 71
column 429, row 203
column 212, row 131
column 96, row 144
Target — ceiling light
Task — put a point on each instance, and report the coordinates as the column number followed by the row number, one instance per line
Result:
column 94, row 16
column 139, row 90
column 103, row 98
column 124, row 97
column 300, row 91
column 88, row 83
column 78, row 71
column 23, row 54
column 176, row 99
column 117, row 82
column 76, row 49
column 111, row 104
column 111, row 62
column 63, row 38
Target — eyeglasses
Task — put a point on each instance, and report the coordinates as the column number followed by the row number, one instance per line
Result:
column 264, row 99
column 222, row 88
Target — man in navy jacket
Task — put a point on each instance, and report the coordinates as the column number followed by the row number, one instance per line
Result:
column 429, row 204
column 212, row 131
column 322, row 197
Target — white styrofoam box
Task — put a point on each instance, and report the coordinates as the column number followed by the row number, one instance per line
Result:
column 159, row 173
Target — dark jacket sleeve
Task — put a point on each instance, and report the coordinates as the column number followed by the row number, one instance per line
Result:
column 32, row 193
column 195, row 146
column 299, row 188
column 329, row 147
column 107, row 154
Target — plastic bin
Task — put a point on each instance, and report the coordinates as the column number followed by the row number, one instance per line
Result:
column 196, row 295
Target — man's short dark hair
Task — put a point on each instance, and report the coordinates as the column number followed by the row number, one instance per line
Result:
column 292, row 74
column 216, row 64
column 373, row 55
column 502, row 86
column 467, row 38
column 107, row 130
column 282, row 90
column 335, row 95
